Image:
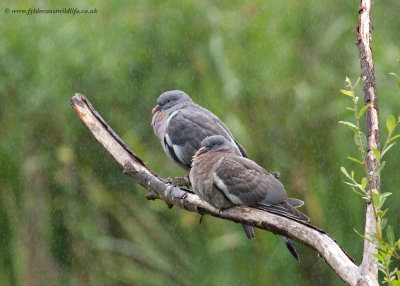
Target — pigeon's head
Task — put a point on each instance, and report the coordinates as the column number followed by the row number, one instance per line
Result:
column 215, row 143
column 171, row 99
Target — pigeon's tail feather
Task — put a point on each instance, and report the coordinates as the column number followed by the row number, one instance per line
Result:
column 296, row 203
column 249, row 230
column 284, row 209
column 291, row 247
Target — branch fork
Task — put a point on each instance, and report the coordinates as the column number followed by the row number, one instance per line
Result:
column 158, row 188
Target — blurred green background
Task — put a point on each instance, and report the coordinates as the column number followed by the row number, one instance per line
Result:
column 270, row 69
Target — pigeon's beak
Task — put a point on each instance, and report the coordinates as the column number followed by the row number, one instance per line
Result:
column 201, row 151
column 155, row 109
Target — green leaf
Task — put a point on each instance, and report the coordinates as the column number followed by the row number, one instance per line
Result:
column 363, row 236
column 383, row 214
column 379, row 169
column 376, row 153
column 390, row 235
column 381, row 199
column 364, row 183
column 394, row 137
column 380, row 258
column 358, row 80
column 355, row 160
column 363, row 109
column 383, row 221
column 356, row 140
column 375, row 198
column 348, row 81
column 343, row 169
column 387, row 194
column 387, row 149
column 350, row 125
column 390, row 123
column 347, row 92
column 358, row 193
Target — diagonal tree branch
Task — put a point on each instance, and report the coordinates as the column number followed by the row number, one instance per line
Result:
column 326, row 246
column 364, row 28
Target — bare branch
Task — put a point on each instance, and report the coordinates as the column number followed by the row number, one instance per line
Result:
column 364, row 28
column 157, row 187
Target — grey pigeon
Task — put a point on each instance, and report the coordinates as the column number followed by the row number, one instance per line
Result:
column 181, row 125
column 223, row 179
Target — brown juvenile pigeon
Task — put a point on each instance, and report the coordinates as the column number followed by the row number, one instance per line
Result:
column 181, row 125
column 223, row 179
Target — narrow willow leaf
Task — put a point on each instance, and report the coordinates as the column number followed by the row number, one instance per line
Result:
column 381, row 201
column 364, row 182
column 375, row 191
column 387, row 149
column 375, row 199
column 358, row 193
column 390, row 235
column 390, row 123
column 344, row 171
column 363, row 109
column 352, row 109
column 351, row 184
column 379, row 169
column 358, row 80
column 347, row 92
column 355, row 160
column 363, row 236
column 387, row 194
column 394, row 137
column 383, row 221
column 380, row 258
column 349, row 81
column 356, row 140
column 393, row 74
column 376, row 153
column 350, row 125
column 383, row 214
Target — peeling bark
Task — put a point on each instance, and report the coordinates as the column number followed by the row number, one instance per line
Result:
column 364, row 38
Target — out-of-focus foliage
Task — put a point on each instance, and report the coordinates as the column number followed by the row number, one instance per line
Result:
column 270, row 69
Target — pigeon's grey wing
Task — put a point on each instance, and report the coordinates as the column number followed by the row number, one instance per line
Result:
column 186, row 129
column 277, row 202
column 276, row 192
column 241, row 180
column 241, row 149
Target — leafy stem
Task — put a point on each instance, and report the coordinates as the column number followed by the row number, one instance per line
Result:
column 387, row 249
